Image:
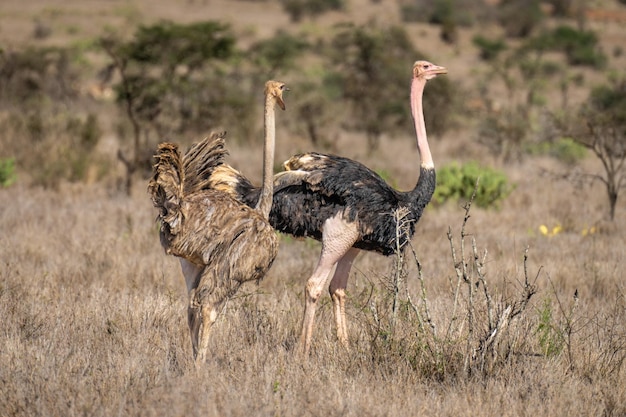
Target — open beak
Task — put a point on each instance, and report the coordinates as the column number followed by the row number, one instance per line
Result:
column 280, row 102
column 279, row 98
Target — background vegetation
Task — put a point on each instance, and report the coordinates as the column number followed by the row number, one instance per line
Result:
column 513, row 307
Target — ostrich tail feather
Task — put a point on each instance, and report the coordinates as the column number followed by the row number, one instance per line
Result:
column 201, row 162
column 166, row 186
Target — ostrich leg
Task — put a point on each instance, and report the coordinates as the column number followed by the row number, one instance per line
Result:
column 337, row 291
column 208, row 315
column 337, row 240
column 192, row 273
column 206, row 302
column 206, row 299
column 201, row 316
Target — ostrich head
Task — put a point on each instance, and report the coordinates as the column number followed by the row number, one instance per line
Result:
column 275, row 90
column 427, row 70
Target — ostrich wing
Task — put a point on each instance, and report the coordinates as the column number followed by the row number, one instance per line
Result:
column 341, row 180
column 222, row 233
column 317, row 187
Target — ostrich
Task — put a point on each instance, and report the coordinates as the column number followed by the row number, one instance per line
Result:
column 220, row 241
column 346, row 206
column 349, row 207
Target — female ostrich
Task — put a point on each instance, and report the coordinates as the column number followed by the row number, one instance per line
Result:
column 349, row 207
column 220, row 241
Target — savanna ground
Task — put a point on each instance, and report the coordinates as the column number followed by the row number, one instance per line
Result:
column 94, row 314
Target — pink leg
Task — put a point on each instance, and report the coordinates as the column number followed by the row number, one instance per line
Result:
column 337, row 291
column 337, row 239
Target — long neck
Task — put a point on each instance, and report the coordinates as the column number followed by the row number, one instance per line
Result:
column 264, row 205
column 420, row 196
column 417, row 109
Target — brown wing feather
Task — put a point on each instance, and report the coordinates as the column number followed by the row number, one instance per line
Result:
column 220, row 232
column 201, row 160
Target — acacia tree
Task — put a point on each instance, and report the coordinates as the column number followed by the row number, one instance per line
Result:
column 600, row 126
column 164, row 82
column 508, row 125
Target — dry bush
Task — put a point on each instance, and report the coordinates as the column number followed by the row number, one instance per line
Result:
column 60, row 146
column 476, row 332
column 94, row 323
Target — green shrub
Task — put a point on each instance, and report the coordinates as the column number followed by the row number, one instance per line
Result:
column 579, row 46
column 565, row 150
column 610, row 100
column 7, row 172
column 279, row 52
column 550, row 337
column 456, row 182
column 297, row 9
column 489, row 50
column 455, row 12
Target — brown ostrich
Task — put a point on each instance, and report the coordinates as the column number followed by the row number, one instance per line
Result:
column 346, row 206
column 220, row 241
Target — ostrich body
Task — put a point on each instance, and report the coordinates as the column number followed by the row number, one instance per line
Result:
column 349, row 207
column 221, row 242
column 346, row 206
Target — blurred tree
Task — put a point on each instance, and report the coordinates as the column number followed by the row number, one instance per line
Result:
column 166, row 84
column 373, row 72
column 509, row 126
column 561, row 8
column 489, row 49
column 36, row 73
column 277, row 54
column 600, row 125
column 40, row 103
column 455, row 12
column 519, row 17
column 319, row 109
column 297, row 9
column 579, row 46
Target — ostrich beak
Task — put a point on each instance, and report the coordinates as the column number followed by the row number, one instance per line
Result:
column 436, row 69
column 279, row 97
column 280, row 102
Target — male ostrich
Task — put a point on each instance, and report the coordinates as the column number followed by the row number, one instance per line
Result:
column 349, row 207
column 346, row 206
column 220, row 241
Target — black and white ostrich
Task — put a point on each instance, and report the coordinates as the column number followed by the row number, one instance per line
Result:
column 346, row 206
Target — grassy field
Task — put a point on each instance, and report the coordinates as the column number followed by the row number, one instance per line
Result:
column 93, row 313
column 94, row 323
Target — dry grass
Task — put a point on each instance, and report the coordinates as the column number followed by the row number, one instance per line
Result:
column 94, row 313
column 94, row 322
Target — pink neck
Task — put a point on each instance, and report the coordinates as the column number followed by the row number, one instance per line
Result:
column 417, row 110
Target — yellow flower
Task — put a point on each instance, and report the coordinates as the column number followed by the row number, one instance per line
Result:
column 543, row 229
column 556, row 230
